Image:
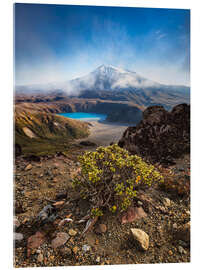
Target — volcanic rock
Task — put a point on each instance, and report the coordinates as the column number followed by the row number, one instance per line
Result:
column 161, row 136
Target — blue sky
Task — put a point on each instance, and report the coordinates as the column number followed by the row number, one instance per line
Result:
column 61, row 42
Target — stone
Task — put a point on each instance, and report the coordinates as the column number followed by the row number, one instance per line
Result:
column 181, row 250
column 72, row 232
column 183, row 232
column 16, row 222
column 140, row 203
column 182, row 243
column 166, row 202
column 132, row 213
column 46, row 214
column 86, row 248
column 61, row 239
column 66, row 251
column 175, row 226
column 101, row 228
column 18, row 237
column 75, row 250
column 140, row 238
column 40, row 258
column 36, row 240
column 162, row 209
column 28, row 167
column 170, row 252
column 58, row 204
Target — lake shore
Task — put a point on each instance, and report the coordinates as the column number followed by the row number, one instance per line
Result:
column 102, row 132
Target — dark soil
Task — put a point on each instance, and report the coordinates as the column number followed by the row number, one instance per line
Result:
column 48, row 180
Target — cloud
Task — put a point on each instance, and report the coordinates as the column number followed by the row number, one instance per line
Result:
column 161, row 36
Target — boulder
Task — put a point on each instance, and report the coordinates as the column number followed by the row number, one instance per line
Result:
column 140, row 238
column 61, row 239
column 161, row 136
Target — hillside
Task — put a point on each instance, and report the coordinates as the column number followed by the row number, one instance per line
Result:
column 42, row 133
column 116, row 111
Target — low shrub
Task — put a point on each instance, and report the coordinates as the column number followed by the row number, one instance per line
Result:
column 110, row 177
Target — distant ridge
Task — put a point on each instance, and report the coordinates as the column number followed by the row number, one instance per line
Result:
column 111, row 83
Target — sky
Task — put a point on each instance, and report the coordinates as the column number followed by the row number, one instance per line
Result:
column 55, row 43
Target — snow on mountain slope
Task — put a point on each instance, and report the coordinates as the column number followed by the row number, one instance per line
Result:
column 110, row 78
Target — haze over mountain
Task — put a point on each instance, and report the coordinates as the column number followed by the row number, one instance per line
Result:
column 111, row 83
column 110, row 78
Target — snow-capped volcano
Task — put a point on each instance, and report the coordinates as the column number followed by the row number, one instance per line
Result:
column 111, row 78
column 111, row 83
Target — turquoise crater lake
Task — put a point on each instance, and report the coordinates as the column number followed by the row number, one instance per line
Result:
column 84, row 116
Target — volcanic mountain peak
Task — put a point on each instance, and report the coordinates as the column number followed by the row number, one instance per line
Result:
column 109, row 69
column 113, row 83
column 108, row 77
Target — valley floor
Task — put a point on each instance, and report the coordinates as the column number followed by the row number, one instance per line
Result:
column 103, row 132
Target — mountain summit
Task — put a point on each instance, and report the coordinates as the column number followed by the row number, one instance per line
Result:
column 107, row 77
column 111, row 83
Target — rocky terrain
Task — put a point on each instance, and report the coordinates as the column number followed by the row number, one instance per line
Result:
column 161, row 136
column 52, row 226
column 43, row 189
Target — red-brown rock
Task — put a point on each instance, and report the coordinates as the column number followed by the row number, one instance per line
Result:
column 34, row 241
column 60, row 239
column 101, row 228
column 132, row 213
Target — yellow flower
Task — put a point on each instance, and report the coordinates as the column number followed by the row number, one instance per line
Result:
column 138, row 178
